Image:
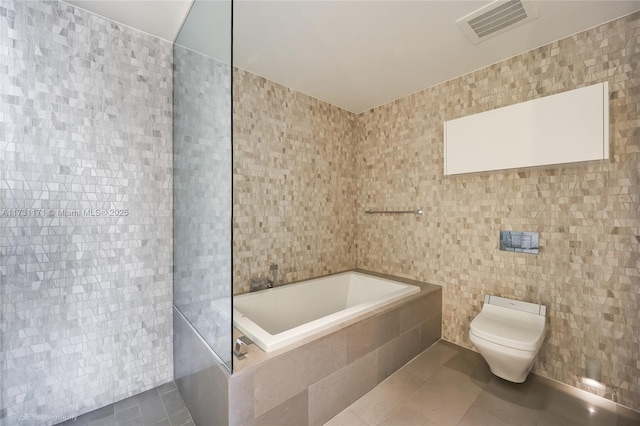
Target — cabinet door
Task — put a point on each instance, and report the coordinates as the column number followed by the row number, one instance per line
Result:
column 565, row 128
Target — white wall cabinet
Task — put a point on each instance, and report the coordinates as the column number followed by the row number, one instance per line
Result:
column 564, row 128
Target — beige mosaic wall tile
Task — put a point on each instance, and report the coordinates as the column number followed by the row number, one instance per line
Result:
column 294, row 183
column 305, row 172
column 588, row 270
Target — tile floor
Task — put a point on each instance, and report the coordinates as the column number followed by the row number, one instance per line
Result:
column 450, row 385
column 161, row 406
column 445, row 385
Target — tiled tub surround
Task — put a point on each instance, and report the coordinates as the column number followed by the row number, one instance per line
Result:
column 312, row 381
column 85, row 123
column 587, row 272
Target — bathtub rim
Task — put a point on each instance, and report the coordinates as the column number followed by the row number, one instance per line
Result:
column 291, row 336
column 256, row 356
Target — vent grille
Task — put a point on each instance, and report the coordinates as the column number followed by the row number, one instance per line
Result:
column 495, row 18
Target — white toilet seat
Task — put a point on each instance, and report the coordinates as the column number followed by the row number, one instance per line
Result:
column 509, row 327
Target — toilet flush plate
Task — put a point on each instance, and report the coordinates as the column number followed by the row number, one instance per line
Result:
column 520, row 241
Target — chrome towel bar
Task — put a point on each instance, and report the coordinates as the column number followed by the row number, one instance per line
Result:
column 416, row 212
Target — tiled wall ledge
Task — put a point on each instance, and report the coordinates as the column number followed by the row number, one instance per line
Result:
column 309, row 383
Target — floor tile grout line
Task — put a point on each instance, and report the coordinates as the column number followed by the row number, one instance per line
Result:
column 356, row 414
column 164, row 407
column 183, row 404
column 166, row 392
column 470, row 407
column 136, row 405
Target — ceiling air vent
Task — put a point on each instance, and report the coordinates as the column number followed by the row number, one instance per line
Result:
column 496, row 17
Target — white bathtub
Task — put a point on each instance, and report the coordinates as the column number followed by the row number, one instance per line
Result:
column 281, row 316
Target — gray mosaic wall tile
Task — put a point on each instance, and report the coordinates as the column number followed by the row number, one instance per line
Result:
column 85, row 125
column 202, row 183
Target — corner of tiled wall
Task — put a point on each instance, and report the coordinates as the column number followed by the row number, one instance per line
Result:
column 294, row 183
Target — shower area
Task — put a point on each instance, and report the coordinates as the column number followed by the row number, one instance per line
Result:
column 202, row 210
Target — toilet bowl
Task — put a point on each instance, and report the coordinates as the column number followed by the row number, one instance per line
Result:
column 508, row 334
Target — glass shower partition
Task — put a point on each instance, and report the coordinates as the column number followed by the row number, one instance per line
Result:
column 202, row 183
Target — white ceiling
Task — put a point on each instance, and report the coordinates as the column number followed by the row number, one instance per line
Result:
column 208, row 29
column 161, row 18
column 360, row 54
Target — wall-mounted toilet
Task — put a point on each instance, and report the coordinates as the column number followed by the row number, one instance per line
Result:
column 508, row 334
